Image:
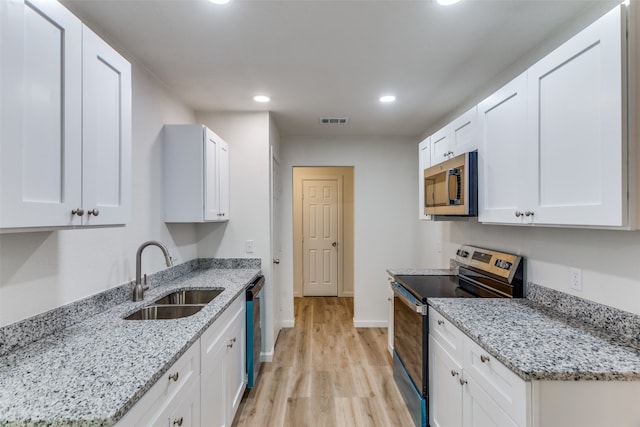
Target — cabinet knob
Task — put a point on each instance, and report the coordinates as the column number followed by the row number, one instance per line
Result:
column 178, row 421
column 78, row 212
column 528, row 213
column 453, row 373
column 232, row 341
column 174, row 377
column 276, row 261
column 94, row 212
column 440, row 322
column 462, row 382
column 519, row 214
column 484, row 359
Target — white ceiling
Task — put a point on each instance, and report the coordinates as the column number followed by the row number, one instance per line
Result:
column 319, row 58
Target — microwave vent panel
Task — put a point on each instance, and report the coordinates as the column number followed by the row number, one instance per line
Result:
column 334, row 120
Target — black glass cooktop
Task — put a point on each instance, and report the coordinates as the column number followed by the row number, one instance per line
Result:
column 424, row 287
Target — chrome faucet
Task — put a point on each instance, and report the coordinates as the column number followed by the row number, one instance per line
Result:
column 139, row 288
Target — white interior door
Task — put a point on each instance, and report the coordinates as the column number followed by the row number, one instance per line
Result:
column 276, row 247
column 320, row 237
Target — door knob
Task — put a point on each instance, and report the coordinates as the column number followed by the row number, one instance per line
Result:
column 334, row 244
column 276, row 261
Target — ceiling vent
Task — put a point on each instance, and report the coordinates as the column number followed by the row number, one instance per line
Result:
column 334, row 120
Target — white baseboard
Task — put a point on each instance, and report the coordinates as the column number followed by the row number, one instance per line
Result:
column 266, row 356
column 288, row 323
column 347, row 294
column 370, row 323
column 390, row 350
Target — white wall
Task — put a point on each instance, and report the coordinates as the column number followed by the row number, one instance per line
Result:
column 385, row 213
column 248, row 136
column 43, row 270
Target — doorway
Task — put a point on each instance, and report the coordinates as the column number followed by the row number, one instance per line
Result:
column 323, row 231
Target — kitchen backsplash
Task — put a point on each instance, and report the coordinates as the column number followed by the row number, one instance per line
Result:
column 22, row 333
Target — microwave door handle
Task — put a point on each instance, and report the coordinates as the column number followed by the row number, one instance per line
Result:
column 454, row 173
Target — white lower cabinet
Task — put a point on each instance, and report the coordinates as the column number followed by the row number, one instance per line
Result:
column 469, row 387
column 224, row 366
column 205, row 386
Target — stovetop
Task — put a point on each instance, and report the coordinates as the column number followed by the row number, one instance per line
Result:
column 423, row 287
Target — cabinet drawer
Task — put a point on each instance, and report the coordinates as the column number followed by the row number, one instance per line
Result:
column 181, row 376
column 447, row 335
column 213, row 334
column 508, row 390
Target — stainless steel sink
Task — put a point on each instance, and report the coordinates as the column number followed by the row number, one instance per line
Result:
column 189, row 296
column 163, row 312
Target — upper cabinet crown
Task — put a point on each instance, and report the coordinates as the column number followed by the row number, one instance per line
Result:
column 554, row 144
column 196, row 174
column 65, row 157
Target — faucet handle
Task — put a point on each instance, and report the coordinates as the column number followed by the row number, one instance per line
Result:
column 145, row 279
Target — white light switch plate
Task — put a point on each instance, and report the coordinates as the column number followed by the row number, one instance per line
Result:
column 575, row 279
column 249, row 246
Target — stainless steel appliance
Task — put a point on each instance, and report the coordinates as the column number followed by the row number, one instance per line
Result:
column 483, row 273
column 254, row 330
column 451, row 187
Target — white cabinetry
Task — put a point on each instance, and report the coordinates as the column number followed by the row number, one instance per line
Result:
column 458, row 137
column 172, row 397
column 554, row 146
column 196, row 174
column 504, row 164
column 224, row 366
column 58, row 111
column 424, row 162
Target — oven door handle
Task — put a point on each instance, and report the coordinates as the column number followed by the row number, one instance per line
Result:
column 411, row 301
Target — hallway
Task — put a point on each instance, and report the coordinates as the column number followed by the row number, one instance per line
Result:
column 326, row 373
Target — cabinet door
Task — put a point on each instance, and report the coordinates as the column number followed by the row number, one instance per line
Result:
column 576, row 121
column 464, row 133
column 504, row 165
column 106, row 150
column 236, row 364
column 212, row 198
column 480, row 410
column 424, row 161
column 445, row 390
column 223, row 179
column 212, row 384
column 41, row 86
column 186, row 411
column 440, row 145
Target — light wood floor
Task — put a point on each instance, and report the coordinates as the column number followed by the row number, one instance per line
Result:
column 326, row 373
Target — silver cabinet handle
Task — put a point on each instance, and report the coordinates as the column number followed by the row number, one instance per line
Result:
column 528, row 213
column 178, row 421
column 231, row 342
column 462, row 382
column 174, row 377
column 94, row 212
column 519, row 214
column 453, row 373
column 78, row 212
column 440, row 322
column 276, row 261
column 484, row 359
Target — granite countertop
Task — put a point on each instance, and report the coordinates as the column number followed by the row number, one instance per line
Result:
column 92, row 373
column 538, row 343
column 421, row 272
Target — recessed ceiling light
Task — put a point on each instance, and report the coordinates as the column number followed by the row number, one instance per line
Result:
column 387, row 98
column 261, row 98
column 447, row 2
column 220, row 1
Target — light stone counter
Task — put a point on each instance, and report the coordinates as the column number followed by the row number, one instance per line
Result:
column 92, row 373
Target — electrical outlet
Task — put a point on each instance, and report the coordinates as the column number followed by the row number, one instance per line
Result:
column 249, row 246
column 575, row 279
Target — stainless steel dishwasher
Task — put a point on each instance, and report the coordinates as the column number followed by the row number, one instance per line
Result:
column 254, row 329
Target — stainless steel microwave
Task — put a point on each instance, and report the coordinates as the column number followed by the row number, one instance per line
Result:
column 451, row 187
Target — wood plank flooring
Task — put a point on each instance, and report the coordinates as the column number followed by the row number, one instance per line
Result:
column 326, row 373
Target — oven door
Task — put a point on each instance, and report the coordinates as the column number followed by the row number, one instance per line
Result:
column 410, row 327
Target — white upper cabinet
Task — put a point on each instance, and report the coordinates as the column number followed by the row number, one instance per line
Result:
column 576, row 122
column 424, row 162
column 458, row 137
column 503, row 160
column 196, row 174
column 41, row 127
column 554, row 143
column 106, row 133
column 65, row 121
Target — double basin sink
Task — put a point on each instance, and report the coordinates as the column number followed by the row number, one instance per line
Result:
column 176, row 305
